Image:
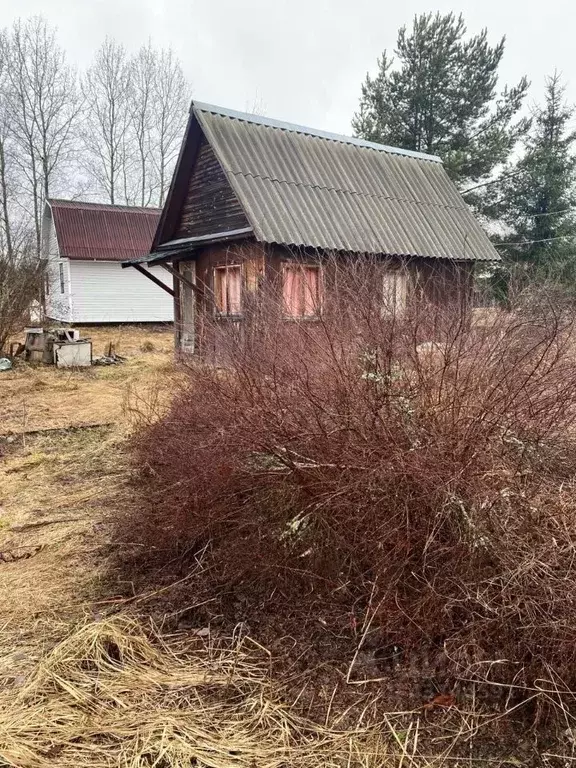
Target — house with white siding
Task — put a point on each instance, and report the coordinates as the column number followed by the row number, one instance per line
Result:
column 83, row 245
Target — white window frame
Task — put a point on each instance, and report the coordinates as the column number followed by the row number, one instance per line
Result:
column 394, row 291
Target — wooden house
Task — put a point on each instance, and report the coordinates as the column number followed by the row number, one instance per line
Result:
column 255, row 200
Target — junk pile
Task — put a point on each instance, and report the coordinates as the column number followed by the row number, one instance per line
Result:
column 110, row 357
column 61, row 347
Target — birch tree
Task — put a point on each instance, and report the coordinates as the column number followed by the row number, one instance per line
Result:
column 171, row 100
column 43, row 106
column 159, row 105
column 106, row 87
column 5, row 155
column 142, row 107
column 136, row 109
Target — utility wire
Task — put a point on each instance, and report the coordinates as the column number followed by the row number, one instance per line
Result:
column 531, row 242
column 550, row 213
column 498, row 179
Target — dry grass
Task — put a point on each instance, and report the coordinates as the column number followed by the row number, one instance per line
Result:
column 54, row 499
column 42, row 397
column 58, row 488
column 108, row 696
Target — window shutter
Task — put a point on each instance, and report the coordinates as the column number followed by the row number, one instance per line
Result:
column 234, row 279
column 394, row 292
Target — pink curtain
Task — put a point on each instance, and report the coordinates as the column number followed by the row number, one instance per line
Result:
column 228, row 290
column 310, row 277
column 301, row 288
column 291, row 291
column 234, row 277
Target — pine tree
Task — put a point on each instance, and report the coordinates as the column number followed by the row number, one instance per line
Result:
column 536, row 199
column 439, row 95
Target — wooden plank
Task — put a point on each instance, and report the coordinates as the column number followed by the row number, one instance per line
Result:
column 154, row 279
column 178, row 276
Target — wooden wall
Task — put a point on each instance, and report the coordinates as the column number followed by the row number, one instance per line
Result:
column 439, row 281
column 210, row 205
column 252, row 256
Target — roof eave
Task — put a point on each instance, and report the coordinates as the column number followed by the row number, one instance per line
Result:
column 167, row 251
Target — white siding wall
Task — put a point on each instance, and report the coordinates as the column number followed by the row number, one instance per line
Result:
column 103, row 292
column 57, row 301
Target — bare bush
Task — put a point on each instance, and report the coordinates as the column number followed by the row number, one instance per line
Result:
column 20, row 285
column 413, row 472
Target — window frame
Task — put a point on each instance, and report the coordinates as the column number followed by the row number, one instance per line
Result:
column 399, row 300
column 62, row 277
column 224, row 269
column 319, row 299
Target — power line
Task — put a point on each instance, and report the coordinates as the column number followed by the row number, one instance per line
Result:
column 493, row 181
column 531, row 242
column 535, row 215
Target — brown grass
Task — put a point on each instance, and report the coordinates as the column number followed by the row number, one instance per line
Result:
column 108, row 695
column 43, row 397
column 58, row 489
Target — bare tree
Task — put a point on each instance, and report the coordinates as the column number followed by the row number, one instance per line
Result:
column 43, row 103
column 171, row 98
column 5, row 137
column 142, row 108
column 106, row 88
column 158, row 108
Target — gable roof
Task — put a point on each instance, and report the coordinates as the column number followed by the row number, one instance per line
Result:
column 98, row 232
column 303, row 187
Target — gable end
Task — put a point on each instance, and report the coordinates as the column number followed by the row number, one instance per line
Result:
column 210, row 204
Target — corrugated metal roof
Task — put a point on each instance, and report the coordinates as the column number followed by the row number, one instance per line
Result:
column 97, row 232
column 304, row 187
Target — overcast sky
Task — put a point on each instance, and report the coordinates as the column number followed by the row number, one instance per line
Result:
column 301, row 60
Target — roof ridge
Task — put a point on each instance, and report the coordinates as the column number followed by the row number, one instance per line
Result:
column 78, row 203
column 295, row 128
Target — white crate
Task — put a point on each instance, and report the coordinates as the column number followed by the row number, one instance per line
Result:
column 76, row 354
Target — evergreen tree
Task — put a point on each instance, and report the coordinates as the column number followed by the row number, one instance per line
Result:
column 536, row 197
column 439, row 95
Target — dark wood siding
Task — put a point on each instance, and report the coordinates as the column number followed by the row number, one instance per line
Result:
column 248, row 253
column 439, row 281
column 444, row 282
column 210, row 205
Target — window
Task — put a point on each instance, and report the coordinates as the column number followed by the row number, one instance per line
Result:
column 394, row 290
column 228, row 289
column 302, row 290
column 61, row 277
column 47, row 284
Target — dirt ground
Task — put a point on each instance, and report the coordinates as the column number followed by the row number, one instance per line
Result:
column 59, row 480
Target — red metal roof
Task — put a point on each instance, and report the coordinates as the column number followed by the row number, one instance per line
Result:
column 97, row 232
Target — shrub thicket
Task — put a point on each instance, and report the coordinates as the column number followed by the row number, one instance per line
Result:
column 415, row 470
column 20, row 284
